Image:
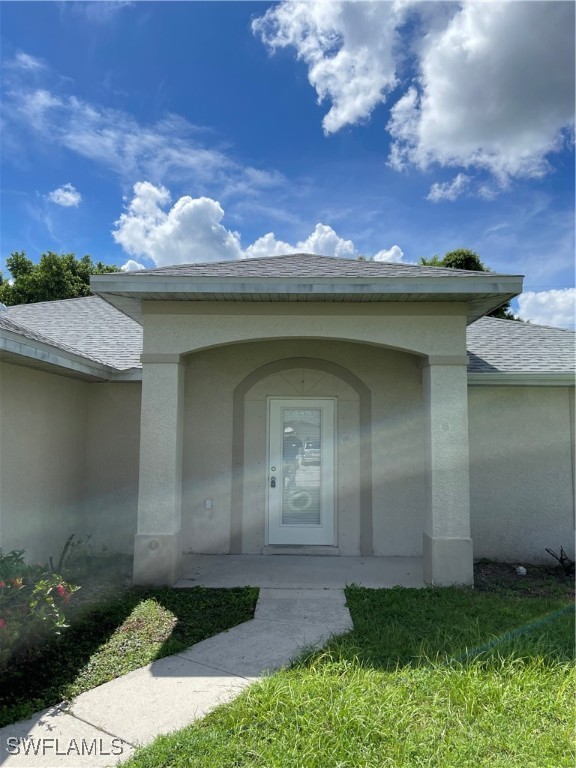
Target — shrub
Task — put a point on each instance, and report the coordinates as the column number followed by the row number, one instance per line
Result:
column 12, row 565
column 567, row 564
column 32, row 606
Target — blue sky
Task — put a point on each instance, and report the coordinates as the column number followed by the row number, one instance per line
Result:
column 149, row 133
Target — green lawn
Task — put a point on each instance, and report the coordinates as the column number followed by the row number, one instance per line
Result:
column 117, row 635
column 444, row 678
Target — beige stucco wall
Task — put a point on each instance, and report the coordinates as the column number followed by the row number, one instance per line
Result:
column 424, row 328
column 521, row 471
column 68, row 462
column 42, row 460
column 69, row 450
column 394, row 379
column 112, row 457
column 382, row 344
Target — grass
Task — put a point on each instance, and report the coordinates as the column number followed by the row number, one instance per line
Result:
column 117, row 635
column 443, row 678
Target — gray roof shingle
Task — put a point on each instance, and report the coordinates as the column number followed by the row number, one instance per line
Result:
column 509, row 346
column 9, row 325
column 88, row 326
column 302, row 265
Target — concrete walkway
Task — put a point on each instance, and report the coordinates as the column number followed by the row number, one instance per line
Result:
column 104, row 725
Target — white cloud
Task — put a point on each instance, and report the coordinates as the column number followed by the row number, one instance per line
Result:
column 100, row 12
column 131, row 266
column 268, row 245
column 191, row 230
column 32, row 107
column 114, row 139
column 555, row 307
column 348, row 48
column 325, row 242
column 169, row 150
column 392, row 255
column 25, row 62
column 449, row 190
column 494, row 87
column 67, row 196
column 496, row 91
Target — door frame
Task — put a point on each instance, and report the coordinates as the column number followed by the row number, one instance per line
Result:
column 325, row 533
column 239, row 471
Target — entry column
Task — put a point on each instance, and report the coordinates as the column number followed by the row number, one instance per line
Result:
column 447, row 542
column 157, row 547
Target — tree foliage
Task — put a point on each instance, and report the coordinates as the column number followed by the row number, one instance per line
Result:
column 463, row 258
column 53, row 277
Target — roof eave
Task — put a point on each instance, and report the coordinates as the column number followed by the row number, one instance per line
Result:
column 38, row 354
column 162, row 284
column 482, row 293
column 521, row 379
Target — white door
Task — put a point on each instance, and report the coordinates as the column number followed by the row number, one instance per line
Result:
column 301, row 500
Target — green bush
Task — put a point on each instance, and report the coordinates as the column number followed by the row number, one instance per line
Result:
column 32, row 607
column 12, row 565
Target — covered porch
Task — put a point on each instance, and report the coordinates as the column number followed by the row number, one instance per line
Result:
column 299, row 571
column 363, row 363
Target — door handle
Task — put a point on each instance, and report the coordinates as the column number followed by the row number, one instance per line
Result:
column 272, row 482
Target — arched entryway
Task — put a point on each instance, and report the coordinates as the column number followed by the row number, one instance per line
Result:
column 411, row 425
column 308, row 381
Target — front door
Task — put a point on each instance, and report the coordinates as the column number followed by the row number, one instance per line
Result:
column 301, row 477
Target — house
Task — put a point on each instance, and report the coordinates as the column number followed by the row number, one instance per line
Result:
column 170, row 412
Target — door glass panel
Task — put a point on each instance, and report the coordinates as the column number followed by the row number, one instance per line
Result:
column 301, row 464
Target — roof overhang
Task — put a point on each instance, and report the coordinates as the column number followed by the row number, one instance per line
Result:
column 30, row 353
column 524, row 379
column 481, row 293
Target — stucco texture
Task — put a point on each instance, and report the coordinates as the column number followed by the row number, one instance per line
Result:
column 180, row 327
column 521, row 472
column 68, row 462
column 42, row 460
column 397, row 422
column 70, row 450
column 112, row 457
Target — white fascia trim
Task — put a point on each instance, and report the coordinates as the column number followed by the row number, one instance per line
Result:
column 60, row 358
column 369, row 285
column 128, row 374
column 501, row 379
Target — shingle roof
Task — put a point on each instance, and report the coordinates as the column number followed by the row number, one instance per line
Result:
column 96, row 330
column 509, row 346
column 28, row 333
column 303, row 277
column 88, row 326
column 302, row 265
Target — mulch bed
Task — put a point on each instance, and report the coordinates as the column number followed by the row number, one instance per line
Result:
column 539, row 581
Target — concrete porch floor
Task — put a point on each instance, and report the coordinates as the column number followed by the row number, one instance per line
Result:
column 299, row 571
